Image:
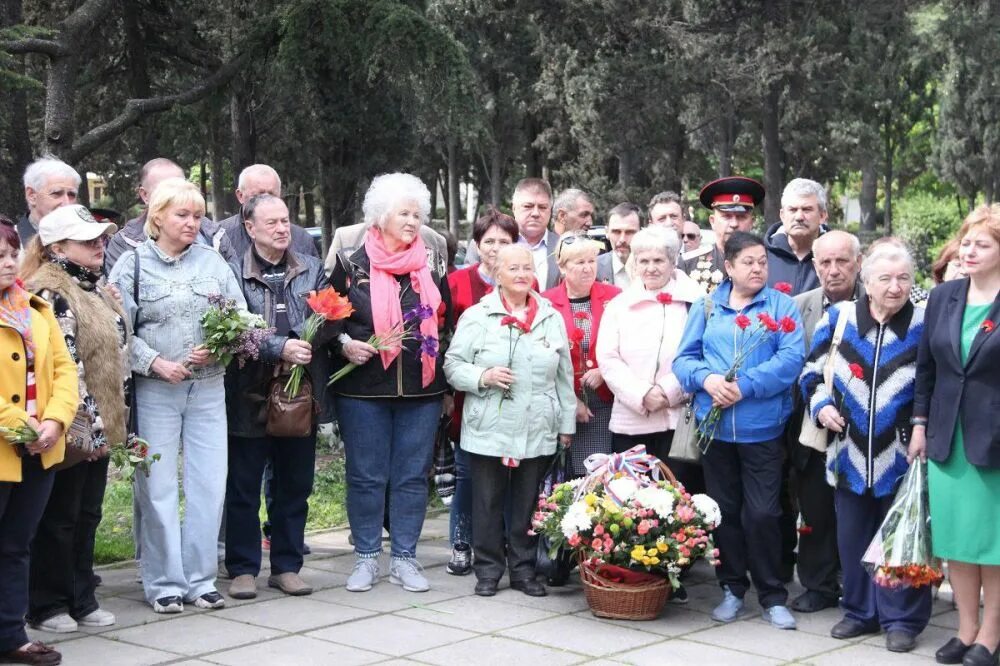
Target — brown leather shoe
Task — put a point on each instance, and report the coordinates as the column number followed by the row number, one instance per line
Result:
column 243, row 586
column 34, row 653
column 289, row 583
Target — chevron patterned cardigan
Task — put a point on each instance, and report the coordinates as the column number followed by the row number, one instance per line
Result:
column 877, row 407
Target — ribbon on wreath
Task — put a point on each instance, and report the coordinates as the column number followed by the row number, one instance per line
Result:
column 603, row 468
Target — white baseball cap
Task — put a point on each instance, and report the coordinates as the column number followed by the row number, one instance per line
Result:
column 72, row 223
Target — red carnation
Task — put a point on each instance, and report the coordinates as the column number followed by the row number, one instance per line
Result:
column 508, row 320
column 787, row 324
column 772, row 325
column 784, row 287
column 576, row 335
column 665, row 298
column 988, row 326
column 581, row 315
column 742, row 321
column 857, row 370
column 521, row 325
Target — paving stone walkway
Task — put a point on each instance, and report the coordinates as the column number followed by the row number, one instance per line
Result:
column 449, row 625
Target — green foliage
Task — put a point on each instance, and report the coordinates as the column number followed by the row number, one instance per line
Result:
column 926, row 222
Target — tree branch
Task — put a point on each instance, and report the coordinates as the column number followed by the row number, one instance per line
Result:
column 137, row 109
column 47, row 47
column 85, row 18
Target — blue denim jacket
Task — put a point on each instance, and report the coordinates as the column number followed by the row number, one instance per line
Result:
column 173, row 296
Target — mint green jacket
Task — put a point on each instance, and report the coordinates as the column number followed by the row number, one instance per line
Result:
column 543, row 405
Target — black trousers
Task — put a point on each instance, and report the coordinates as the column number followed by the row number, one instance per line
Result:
column 658, row 444
column 493, row 487
column 293, row 460
column 62, row 556
column 818, row 561
column 745, row 479
column 21, row 508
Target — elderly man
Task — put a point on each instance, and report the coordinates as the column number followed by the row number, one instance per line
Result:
column 133, row 233
column 532, row 203
column 274, row 278
column 666, row 210
column 837, row 260
column 732, row 201
column 623, row 224
column 261, row 179
column 573, row 210
column 691, row 236
column 790, row 242
column 49, row 183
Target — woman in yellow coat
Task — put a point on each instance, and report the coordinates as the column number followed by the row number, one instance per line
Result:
column 38, row 387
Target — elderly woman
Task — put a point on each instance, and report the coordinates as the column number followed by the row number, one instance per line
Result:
column 389, row 405
column 743, row 461
column 63, row 266
column 38, row 388
column 955, row 424
column 867, row 411
column 511, row 356
column 491, row 233
column 179, row 395
column 581, row 301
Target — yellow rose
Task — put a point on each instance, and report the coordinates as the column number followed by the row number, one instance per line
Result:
column 662, row 547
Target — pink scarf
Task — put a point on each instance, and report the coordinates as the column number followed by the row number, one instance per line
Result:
column 387, row 314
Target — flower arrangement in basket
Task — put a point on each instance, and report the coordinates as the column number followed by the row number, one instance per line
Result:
column 633, row 528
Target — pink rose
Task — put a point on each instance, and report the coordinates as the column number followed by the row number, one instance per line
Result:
column 599, row 530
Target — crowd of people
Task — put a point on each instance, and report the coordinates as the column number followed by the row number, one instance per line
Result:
column 543, row 343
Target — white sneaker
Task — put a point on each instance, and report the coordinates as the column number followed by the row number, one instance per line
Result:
column 57, row 624
column 99, row 618
column 407, row 572
column 364, row 575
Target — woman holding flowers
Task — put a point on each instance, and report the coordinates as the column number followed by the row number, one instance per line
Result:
column 63, row 265
column 180, row 396
column 38, row 401
column 274, row 280
column 867, row 416
column 581, row 301
column 740, row 360
column 956, row 425
column 510, row 355
column 389, row 393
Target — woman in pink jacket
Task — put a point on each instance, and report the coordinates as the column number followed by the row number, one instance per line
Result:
column 641, row 330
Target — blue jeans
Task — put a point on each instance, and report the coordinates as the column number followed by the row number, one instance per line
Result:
column 460, row 520
column 181, row 559
column 388, row 443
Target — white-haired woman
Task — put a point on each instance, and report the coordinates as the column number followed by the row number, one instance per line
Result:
column 180, row 397
column 868, row 414
column 388, row 407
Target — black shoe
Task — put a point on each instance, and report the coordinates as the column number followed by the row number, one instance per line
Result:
column 897, row 640
column 97, row 580
column 679, row 596
column 460, row 563
column 811, row 601
column 951, row 652
column 486, row 587
column 848, row 628
column 168, row 605
column 529, row 586
column 306, row 550
column 979, row 655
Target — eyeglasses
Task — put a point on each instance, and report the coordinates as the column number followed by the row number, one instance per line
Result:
column 568, row 240
column 691, row 236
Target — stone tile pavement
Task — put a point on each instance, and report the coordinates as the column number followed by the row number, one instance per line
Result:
column 449, row 625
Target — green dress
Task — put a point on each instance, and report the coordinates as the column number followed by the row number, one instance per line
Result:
column 965, row 496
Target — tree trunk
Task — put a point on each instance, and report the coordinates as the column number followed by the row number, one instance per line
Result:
column 138, row 78
column 203, row 178
column 309, row 203
column 15, row 144
column 293, row 199
column 888, row 181
column 454, row 202
column 771, row 139
column 432, row 185
column 496, row 174
column 60, row 105
column 443, row 178
column 218, row 169
column 726, row 143
column 533, row 157
column 626, row 168
column 869, row 194
column 244, row 140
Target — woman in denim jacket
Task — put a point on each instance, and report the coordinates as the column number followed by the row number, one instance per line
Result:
column 180, row 397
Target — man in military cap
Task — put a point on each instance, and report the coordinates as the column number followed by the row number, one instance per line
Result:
column 732, row 201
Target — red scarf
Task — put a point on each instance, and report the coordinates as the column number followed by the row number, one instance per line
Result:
column 529, row 316
column 387, row 314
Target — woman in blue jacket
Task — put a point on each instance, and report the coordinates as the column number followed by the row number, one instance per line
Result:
column 743, row 461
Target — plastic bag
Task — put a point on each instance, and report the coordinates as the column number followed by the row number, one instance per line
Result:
column 900, row 555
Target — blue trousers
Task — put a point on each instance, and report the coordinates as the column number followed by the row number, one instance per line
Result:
column 388, row 444
column 858, row 518
column 460, row 523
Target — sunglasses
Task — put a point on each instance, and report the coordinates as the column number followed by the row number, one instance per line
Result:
column 568, row 240
column 691, row 236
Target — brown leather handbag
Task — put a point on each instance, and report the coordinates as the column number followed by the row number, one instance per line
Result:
column 290, row 417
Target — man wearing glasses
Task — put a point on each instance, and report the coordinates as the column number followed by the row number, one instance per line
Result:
column 691, row 236
column 732, row 201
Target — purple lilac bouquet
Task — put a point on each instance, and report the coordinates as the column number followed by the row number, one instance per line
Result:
column 408, row 329
column 233, row 333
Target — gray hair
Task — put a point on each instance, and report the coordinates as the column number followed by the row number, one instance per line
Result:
column 263, row 170
column 803, row 187
column 253, row 203
column 832, row 235
column 45, row 168
column 890, row 249
column 657, row 238
column 567, row 200
column 391, row 189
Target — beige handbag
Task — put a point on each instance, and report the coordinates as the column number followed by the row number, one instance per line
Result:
column 812, row 435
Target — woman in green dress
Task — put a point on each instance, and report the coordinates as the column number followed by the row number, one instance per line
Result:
column 956, row 424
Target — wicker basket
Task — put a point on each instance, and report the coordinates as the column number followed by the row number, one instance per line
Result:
column 622, row 601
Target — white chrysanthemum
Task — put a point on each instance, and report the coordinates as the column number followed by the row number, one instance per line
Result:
column 623, row 488
column 575, row 519
column 707, row 507
column 657, row 499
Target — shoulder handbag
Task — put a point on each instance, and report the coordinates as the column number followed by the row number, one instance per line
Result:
column 685, row 442
column 812, row 436
column 287, row 416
